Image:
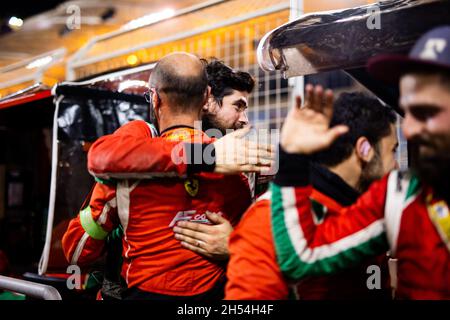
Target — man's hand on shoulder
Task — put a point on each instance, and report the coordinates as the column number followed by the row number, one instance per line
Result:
column 235, row 153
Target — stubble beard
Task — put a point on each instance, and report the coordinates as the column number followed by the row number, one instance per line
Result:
column 210, row 121
column 433, row 170
column 371, row 171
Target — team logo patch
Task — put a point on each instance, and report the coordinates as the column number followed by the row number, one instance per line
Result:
column 433, row 48
column 191, row 186
column 440, row 215
column 441, row 210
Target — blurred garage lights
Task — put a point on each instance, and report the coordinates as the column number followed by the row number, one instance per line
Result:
column 39, row 62
column 127, row 84
column 148, row 19
column 132, row 60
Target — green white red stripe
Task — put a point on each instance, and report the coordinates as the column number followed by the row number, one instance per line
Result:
column 402, row 190
column 297, row 259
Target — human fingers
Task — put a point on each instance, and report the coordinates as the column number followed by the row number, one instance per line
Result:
column 215, row 218
column 329, row 101
column 309, row 96
column 195, row 249
column 240, row 133
column 198, row 235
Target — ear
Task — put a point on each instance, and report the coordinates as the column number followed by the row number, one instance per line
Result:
column 208, row 105
column 156, row 103
column 364, row 150
column 207, row 95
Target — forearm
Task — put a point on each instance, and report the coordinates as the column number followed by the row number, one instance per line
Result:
column 136, row 154
column 84, row 239
column 79, row 248
column 253, row 272
column 120, row 157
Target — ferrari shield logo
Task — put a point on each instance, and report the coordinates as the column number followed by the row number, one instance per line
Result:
column 191, row 186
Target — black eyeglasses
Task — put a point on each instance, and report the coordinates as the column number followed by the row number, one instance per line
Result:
column 148, row 94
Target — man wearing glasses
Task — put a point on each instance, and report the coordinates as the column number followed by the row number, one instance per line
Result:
column 155, row 265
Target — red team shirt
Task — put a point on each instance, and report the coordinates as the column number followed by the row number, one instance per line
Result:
column 154, row 260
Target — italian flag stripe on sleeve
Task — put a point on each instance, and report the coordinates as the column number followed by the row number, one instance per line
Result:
column 298, row 259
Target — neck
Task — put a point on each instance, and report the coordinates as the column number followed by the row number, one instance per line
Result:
column 171, row 120
column 349, row 170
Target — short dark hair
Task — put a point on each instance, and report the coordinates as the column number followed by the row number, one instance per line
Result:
column 183, row 92
column 365, row 116
column 223, row 80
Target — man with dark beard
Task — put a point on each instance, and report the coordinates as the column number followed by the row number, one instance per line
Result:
column 367, row 152
column 340, row 174
column 427, row 127
column 225, row 110
column 228, row 102
column 405, row 212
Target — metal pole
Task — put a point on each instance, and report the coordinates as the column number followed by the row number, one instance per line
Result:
column 31, row 289
column 43, row 263
column 297, row 84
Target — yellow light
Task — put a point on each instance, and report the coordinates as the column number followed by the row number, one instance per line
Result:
column 132, row 59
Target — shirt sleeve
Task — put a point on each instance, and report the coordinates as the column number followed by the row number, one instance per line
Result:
column 84, row 240
column 253, row 272
column 340, row 241
column 133, row 152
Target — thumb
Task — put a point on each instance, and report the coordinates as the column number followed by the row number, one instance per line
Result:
column 215, row 218
column 336, row 132
column 240, row 133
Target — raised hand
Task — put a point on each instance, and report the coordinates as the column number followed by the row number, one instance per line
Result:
column 306, row 129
